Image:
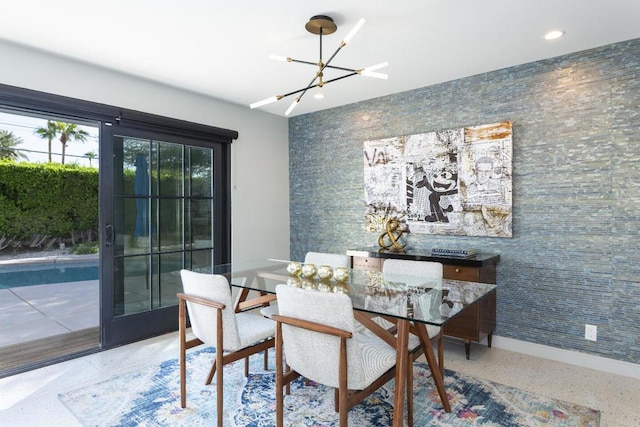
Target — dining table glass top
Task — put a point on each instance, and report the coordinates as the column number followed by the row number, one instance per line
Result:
column 431, row 301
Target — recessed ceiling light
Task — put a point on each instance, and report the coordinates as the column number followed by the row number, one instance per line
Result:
column 552, row 35
column 319, row 96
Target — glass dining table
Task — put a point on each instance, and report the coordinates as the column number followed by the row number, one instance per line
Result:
column 412, row 302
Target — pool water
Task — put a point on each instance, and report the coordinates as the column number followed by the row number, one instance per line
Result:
column 42, row 274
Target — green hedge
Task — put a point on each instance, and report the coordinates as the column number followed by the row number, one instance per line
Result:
column 47, row 199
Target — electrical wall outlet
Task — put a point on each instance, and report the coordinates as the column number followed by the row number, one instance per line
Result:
column 591, row 332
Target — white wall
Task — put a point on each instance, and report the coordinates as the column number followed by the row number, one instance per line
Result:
column 260, row 156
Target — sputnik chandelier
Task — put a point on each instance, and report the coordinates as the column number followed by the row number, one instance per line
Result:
column 323, row 25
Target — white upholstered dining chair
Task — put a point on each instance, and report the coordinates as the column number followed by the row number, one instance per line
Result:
column 323, row 258
column 354, row 364
column 235, row 336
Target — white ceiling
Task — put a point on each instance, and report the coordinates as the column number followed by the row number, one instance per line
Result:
column 221, row 48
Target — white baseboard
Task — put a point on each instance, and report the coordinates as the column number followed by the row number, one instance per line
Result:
column 584, row 360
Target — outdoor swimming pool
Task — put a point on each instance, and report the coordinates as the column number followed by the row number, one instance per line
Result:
column 12, row 276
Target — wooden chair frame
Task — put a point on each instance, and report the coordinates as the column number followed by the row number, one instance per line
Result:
column 420, row 330
column 221, row 359
column 345, row 399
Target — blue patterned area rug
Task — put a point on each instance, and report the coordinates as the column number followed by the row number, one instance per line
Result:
column 151, row 397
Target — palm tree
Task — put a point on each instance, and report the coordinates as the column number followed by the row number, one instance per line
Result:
column 90, row 155
column 68, row 132
column 49, row 132
column 8, row 143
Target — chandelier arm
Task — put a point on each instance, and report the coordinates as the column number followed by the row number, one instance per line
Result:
column 315, row 85
column 342, row 77
column 299, row 61
column 334, row 55
column 309, row 86
column 297, row 91
column 344, row 42
column 351, row 70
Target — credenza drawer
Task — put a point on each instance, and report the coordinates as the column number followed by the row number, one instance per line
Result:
column 366, row 263
column 457, row 272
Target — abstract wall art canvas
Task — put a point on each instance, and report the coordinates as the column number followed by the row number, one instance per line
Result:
column 451, row 182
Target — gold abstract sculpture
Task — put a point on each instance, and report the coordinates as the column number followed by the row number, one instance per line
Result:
column 390, row 239
column 341, row 274
column 325, row 272
column 309, row 270
column 294, row 268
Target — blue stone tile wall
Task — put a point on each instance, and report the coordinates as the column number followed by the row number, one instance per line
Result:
column 574, row 257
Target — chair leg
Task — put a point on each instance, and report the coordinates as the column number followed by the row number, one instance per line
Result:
column 212, row 371
column 266, row 359
column 279, row 378
column 183, row 354
column 344, row 408
column 246, row 366
column 219, row 395
column 342, row 382
column 288, row 386
column 441, row 353
column 410, row 391
column 220, row 363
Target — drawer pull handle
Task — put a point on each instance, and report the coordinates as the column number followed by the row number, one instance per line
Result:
column 457, row 270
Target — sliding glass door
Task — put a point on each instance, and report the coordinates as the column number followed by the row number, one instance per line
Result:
column 160, row 217
column 164, row 204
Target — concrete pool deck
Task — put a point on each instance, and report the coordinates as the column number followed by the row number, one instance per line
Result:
column 39, row 311
column 8, row 261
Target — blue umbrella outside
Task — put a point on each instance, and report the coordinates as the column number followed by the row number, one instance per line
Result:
column 141, row 188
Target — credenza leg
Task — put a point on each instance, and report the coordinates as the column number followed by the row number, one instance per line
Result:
column 489, row 339
column 467, row 348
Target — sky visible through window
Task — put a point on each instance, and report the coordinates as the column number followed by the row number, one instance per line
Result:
column 35, row 148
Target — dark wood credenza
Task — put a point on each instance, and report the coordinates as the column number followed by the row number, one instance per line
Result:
column 477, row 321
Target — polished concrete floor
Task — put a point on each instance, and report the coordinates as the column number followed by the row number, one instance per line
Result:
column 31, row 398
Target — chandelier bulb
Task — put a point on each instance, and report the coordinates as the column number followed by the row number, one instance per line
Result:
column 374, row 74
column 264, row 102
column 280, row 58
column 292, row 106
column 353, row 31
column 377, row 66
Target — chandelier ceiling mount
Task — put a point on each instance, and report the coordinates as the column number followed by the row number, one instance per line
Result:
column 321, row 24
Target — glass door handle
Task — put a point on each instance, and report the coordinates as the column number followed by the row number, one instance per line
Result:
column 109, row 235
